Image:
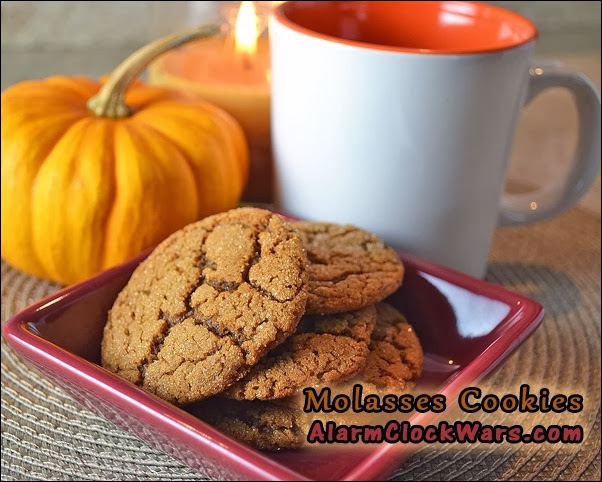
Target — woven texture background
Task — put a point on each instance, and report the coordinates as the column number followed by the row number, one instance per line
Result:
column 47, row 436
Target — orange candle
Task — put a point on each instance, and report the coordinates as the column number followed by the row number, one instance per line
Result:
column 232, row 73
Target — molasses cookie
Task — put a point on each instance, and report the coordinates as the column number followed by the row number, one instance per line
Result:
column 324, row 349
column 264, row 425
column 348, row 268
column 395, row 359
column 207, row 304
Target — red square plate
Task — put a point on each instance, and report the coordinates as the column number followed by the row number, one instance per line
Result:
column 466, row 326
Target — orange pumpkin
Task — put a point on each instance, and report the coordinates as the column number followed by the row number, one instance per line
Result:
column 93, row 174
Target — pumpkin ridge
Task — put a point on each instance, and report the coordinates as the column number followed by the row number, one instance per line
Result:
column 40, row 268
column 14, row 252
column 107, row 260
column 50, row 271
column 142, row 137
column 237, row 166
column 151, row 164
column 97, row 131
column 111, row 180
column 175, row 146
column 240, row 162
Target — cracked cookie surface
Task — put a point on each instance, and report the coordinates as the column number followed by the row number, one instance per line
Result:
column 325, row 348
column 395, row 359
column 207, row 304
column 349, row 268
column 264, row 425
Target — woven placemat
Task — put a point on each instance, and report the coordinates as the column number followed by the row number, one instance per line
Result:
column 47, row 436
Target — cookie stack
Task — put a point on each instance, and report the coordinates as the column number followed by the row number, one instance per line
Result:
column 244, row 310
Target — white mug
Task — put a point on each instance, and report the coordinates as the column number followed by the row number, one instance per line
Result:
column 399, row 117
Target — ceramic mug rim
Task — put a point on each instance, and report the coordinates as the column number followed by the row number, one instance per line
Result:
column 483, row 11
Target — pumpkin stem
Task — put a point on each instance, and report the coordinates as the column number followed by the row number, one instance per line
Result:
column 110, row 99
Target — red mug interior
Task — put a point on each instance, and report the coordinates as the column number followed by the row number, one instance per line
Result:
column 421, row 27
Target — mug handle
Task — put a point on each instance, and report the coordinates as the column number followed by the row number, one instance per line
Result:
column 561, row 195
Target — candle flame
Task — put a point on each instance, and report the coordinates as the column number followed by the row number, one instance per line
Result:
column 246, row 30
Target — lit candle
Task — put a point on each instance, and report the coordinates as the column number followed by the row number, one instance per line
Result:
column 232, row 73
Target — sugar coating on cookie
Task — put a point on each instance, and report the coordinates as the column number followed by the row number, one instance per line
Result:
column 207, row 304
column 396, row 358
column 263, row 425
column 349, row 268
column 325, row 348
